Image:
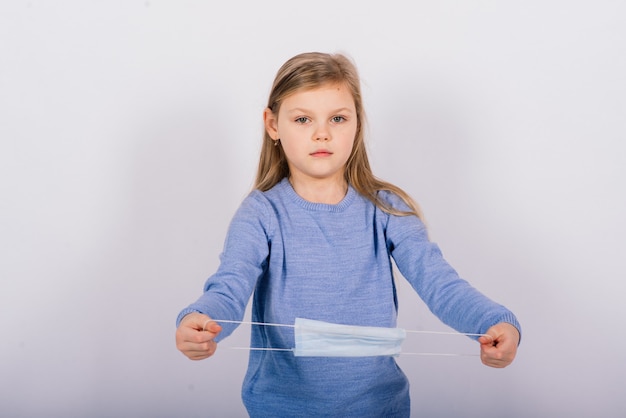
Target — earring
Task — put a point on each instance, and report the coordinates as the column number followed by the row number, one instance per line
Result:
column 276, row 142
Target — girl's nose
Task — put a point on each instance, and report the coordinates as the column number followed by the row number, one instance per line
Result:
column 321, row 134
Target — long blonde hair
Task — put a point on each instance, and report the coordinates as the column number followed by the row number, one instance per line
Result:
column 308, row 71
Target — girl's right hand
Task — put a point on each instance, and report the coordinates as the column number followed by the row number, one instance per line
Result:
column 195, row 334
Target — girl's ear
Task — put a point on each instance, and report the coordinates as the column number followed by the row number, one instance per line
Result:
column 271, row 123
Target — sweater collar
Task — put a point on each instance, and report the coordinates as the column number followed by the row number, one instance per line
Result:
column 287, row 188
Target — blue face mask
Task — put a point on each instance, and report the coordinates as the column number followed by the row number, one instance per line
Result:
column 324, row 339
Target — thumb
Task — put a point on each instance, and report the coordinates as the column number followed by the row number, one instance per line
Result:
column 200, row 322
column 211, row 326
column 486, row 339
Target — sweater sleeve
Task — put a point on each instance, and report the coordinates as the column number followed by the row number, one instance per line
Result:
column 452, row 299
column 242, row 261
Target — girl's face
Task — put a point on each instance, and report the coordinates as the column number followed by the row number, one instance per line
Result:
column 316, row 129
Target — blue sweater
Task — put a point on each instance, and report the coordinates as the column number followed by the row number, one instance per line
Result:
column 330, row 263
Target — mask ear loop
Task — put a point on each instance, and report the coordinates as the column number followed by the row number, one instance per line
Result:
column 467, row 334
column 269, row 324
column 229, row 321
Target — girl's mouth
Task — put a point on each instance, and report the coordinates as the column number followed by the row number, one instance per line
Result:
column 321, row 153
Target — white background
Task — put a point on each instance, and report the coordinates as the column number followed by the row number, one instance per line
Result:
column 130, row 132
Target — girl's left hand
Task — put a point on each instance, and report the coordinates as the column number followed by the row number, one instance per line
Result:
column 499, row 350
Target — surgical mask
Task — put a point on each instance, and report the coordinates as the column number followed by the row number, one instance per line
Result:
column 324, row 339
column 319, row 338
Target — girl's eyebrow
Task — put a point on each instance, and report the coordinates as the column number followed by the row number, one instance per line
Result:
column 302, row 110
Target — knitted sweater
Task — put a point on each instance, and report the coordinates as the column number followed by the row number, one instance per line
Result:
column 330, row 263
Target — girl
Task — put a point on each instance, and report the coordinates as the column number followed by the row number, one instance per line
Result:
column 315, row 239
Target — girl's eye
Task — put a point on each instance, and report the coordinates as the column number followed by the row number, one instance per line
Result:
column 338, row 119
column 302, row 119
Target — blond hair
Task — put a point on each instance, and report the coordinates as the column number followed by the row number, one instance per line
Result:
column 308, row 71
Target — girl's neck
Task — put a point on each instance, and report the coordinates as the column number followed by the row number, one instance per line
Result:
column 328, row 191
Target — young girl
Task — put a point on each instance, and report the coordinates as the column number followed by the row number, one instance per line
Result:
column 315, row 240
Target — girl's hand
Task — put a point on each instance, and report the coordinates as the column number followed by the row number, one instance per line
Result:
column 195, row 334
column 498, row 349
